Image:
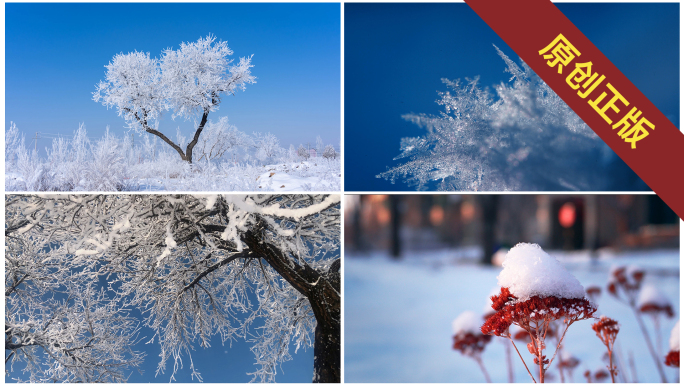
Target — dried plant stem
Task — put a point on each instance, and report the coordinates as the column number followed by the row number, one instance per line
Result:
column 521, row 359
column 560, row 341
column 484, row 370
column 659, row 338
column 650, row 345
column 560, row 367
column 619, row 357
column 632, row 367
column 509, row 363
column 611, row 368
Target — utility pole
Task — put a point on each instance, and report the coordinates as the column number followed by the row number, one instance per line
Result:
column 35, row 146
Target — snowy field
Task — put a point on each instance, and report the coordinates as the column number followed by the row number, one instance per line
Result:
column 241, row 163
column 320, row 175
column 398, row 317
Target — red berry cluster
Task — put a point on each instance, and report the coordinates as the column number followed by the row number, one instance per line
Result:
column 672, row 358
column 569, row 362
column 629, row 282
column 654, row 309
column 533, row 310
column 593, row 292
column 469, row 343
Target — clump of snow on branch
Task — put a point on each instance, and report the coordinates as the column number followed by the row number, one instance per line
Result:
column 529, row 271
column 522, row 138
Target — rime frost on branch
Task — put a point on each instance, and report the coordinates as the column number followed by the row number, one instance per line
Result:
column 170, row 255
column 523, row 138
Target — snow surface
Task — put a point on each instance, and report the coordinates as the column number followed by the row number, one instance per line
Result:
column 467, row 322
column 529, row 271
column 674, row 338
column 650, row 294
column 398, row 316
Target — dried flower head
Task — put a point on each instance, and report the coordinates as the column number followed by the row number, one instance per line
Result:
column 600, row 375
column 533, row 311
column 672, row 358
column 653, row 302
column 467, row 337
column 470, row 343
column 536, row 291
column 627, row 279
column 606, row 330
column 568, row 362
column 593, row 292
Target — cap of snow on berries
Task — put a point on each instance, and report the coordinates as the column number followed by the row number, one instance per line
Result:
column 672, row 358
column 653, row 301
column 529, row 271
column 468, row 339
column 535, row 289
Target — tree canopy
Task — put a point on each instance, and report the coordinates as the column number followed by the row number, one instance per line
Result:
column 196, row 266
column 190, row 82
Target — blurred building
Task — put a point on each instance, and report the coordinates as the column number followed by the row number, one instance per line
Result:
column 569, row 222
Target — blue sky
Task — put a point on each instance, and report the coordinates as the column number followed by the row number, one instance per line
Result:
column 56, row 53
column 396, row 54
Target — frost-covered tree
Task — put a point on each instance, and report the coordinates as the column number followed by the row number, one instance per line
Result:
column 302, row 152
column 190, row 82
column 201, row 266
column 523, row 138
column 59, row 327
column 267, row 145
column 220, row 137
column 329, row 152
column 14, row 142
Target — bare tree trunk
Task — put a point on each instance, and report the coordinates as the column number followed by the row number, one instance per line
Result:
column 187, row 155
column 396, row 225
column 195, row 139
column 490, row 207
column 327, row 356
column 322, row 289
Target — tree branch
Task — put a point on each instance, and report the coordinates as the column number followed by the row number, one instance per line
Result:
column 244, row 254
column 195, row 139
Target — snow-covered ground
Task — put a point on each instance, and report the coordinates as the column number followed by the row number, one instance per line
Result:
column 244, row 163
column 398, row 316
column 313, row 175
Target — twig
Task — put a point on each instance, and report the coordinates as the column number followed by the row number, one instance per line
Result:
column 484, row 371
column 523, row 361
column 509, row 363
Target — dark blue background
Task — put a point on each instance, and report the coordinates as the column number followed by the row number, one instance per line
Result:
column 396, row 54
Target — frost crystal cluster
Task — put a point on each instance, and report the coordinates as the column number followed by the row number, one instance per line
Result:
column 262, row 267
column 524, row 138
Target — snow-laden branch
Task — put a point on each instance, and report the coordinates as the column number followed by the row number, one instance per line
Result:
column 167, row 255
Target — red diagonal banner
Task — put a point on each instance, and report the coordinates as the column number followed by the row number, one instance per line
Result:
column 594, row 88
